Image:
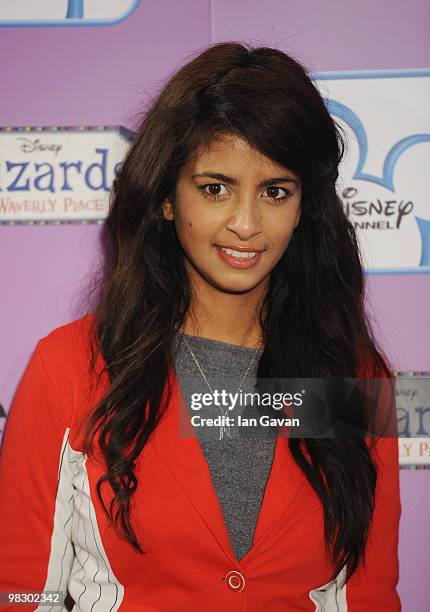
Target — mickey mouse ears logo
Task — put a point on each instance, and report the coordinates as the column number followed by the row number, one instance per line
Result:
column 383, row 176
column 341, row 111
column 21, row 13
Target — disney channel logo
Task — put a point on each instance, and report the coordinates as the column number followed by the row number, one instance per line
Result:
column 370, row 213
column 376, row 214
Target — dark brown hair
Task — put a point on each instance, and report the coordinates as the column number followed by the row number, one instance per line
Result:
column 315, row 303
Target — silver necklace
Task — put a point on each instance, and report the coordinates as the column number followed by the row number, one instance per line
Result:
column 224, row 427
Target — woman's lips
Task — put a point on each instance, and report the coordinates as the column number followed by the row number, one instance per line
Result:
column 236, row 262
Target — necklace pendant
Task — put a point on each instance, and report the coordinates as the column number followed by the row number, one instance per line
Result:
column 224, row 429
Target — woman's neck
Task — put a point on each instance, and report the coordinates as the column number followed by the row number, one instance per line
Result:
column 228, row 318
column 248, row 340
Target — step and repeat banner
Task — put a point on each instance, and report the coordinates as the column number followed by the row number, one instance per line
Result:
column 75, row 72
column 63, row 175
column 57, row 174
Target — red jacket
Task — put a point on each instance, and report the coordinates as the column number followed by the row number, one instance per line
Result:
column 55, row 536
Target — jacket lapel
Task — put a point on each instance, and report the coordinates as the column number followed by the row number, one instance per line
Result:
column 178, row 446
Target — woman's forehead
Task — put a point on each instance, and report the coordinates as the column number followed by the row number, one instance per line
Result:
column 229, row 151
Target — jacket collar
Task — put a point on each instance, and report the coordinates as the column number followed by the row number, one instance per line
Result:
column 178, row 446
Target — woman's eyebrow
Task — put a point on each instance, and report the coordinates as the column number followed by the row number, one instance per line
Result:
column 233, row 181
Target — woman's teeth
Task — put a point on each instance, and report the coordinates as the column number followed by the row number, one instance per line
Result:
column 243, row 255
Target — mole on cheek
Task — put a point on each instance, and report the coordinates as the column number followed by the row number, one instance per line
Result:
column 190, row 224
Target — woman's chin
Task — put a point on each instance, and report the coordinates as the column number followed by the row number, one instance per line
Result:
column 238, row 285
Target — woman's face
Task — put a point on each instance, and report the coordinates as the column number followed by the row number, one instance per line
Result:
column 232, row 197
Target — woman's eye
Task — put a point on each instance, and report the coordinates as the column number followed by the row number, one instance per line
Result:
column 212, row 190
column 273, row 192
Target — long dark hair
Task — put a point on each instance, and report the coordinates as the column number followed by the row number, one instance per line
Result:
column 315, row 302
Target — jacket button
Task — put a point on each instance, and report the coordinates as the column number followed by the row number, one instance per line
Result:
column 235, row 581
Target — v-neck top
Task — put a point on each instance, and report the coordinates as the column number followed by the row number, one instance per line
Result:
column 239, row 465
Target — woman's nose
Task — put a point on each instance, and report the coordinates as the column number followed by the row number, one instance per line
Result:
column 245, row 221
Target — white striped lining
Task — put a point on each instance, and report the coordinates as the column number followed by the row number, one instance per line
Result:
column 78, row 562
column 330, row 597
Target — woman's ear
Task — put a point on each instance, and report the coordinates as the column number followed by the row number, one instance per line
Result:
column 168, row 210
column 299, row 212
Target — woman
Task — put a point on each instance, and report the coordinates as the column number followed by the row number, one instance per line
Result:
column 230, row 261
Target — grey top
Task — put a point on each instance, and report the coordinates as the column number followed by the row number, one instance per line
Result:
column 239, row 465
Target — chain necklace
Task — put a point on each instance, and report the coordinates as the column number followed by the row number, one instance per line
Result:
column 224, row 428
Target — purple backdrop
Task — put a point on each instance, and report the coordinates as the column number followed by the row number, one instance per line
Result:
column 105, row 75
